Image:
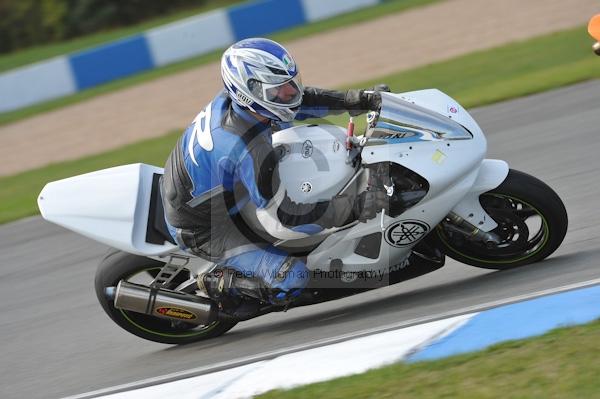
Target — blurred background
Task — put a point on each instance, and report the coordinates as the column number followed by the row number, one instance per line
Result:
column 83, row 77
column 80, row 78
column 90, row 84
column 29, row 23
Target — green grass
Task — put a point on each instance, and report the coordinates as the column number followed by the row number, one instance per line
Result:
column 38, row 53
column 480, row 78
column 390, row 6
column 564, row 363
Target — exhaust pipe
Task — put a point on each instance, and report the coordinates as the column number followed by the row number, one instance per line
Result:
column 490, row 240
column 166, row 304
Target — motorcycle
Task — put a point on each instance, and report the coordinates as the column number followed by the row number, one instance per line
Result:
column 422, row 148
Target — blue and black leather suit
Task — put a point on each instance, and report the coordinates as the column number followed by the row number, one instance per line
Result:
column 225, row 163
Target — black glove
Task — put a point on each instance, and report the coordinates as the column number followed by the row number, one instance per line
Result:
column 373, row 100
column 380, row 87
column 369, row 203
column 358, row 102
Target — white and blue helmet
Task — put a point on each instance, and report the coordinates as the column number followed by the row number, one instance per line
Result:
column 261, row 75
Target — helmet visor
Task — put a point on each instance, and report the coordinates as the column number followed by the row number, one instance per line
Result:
column 287, row 93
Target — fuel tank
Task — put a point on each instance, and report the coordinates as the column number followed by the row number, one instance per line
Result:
column 312, row 163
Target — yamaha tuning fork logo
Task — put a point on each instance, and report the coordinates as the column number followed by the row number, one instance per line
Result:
column 405, row 232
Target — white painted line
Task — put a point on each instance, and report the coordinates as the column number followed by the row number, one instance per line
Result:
column 328, row 341
column 337, row 360
column 312, row 365
column 202, row 387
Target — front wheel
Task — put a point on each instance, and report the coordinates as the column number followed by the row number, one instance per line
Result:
column 117, row 266
column 532, row 223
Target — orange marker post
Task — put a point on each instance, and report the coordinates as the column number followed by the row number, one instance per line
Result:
column 594, row 27
column 594, row 31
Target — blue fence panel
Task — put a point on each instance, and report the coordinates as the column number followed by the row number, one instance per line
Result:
column 264, row 17
column 112, row 61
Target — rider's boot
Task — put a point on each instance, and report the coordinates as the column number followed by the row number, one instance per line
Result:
column 222, row 282
column 240, row 294
column 237, row 295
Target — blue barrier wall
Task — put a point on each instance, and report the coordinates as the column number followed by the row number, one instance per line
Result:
column 180, row 40
column 264, row 17
column 103, row 64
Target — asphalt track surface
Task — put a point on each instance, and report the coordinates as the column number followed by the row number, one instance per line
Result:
column 56, row 340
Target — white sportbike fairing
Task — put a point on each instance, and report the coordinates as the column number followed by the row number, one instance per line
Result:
column 110, row 206
column 423, row 149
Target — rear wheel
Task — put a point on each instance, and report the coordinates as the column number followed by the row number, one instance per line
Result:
column 532, row 223
column 117, row 266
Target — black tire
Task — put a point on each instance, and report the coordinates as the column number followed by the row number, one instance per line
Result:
column 119, row 265
column 520, row 201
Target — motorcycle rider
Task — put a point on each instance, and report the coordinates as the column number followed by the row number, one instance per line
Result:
column 221, row 188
